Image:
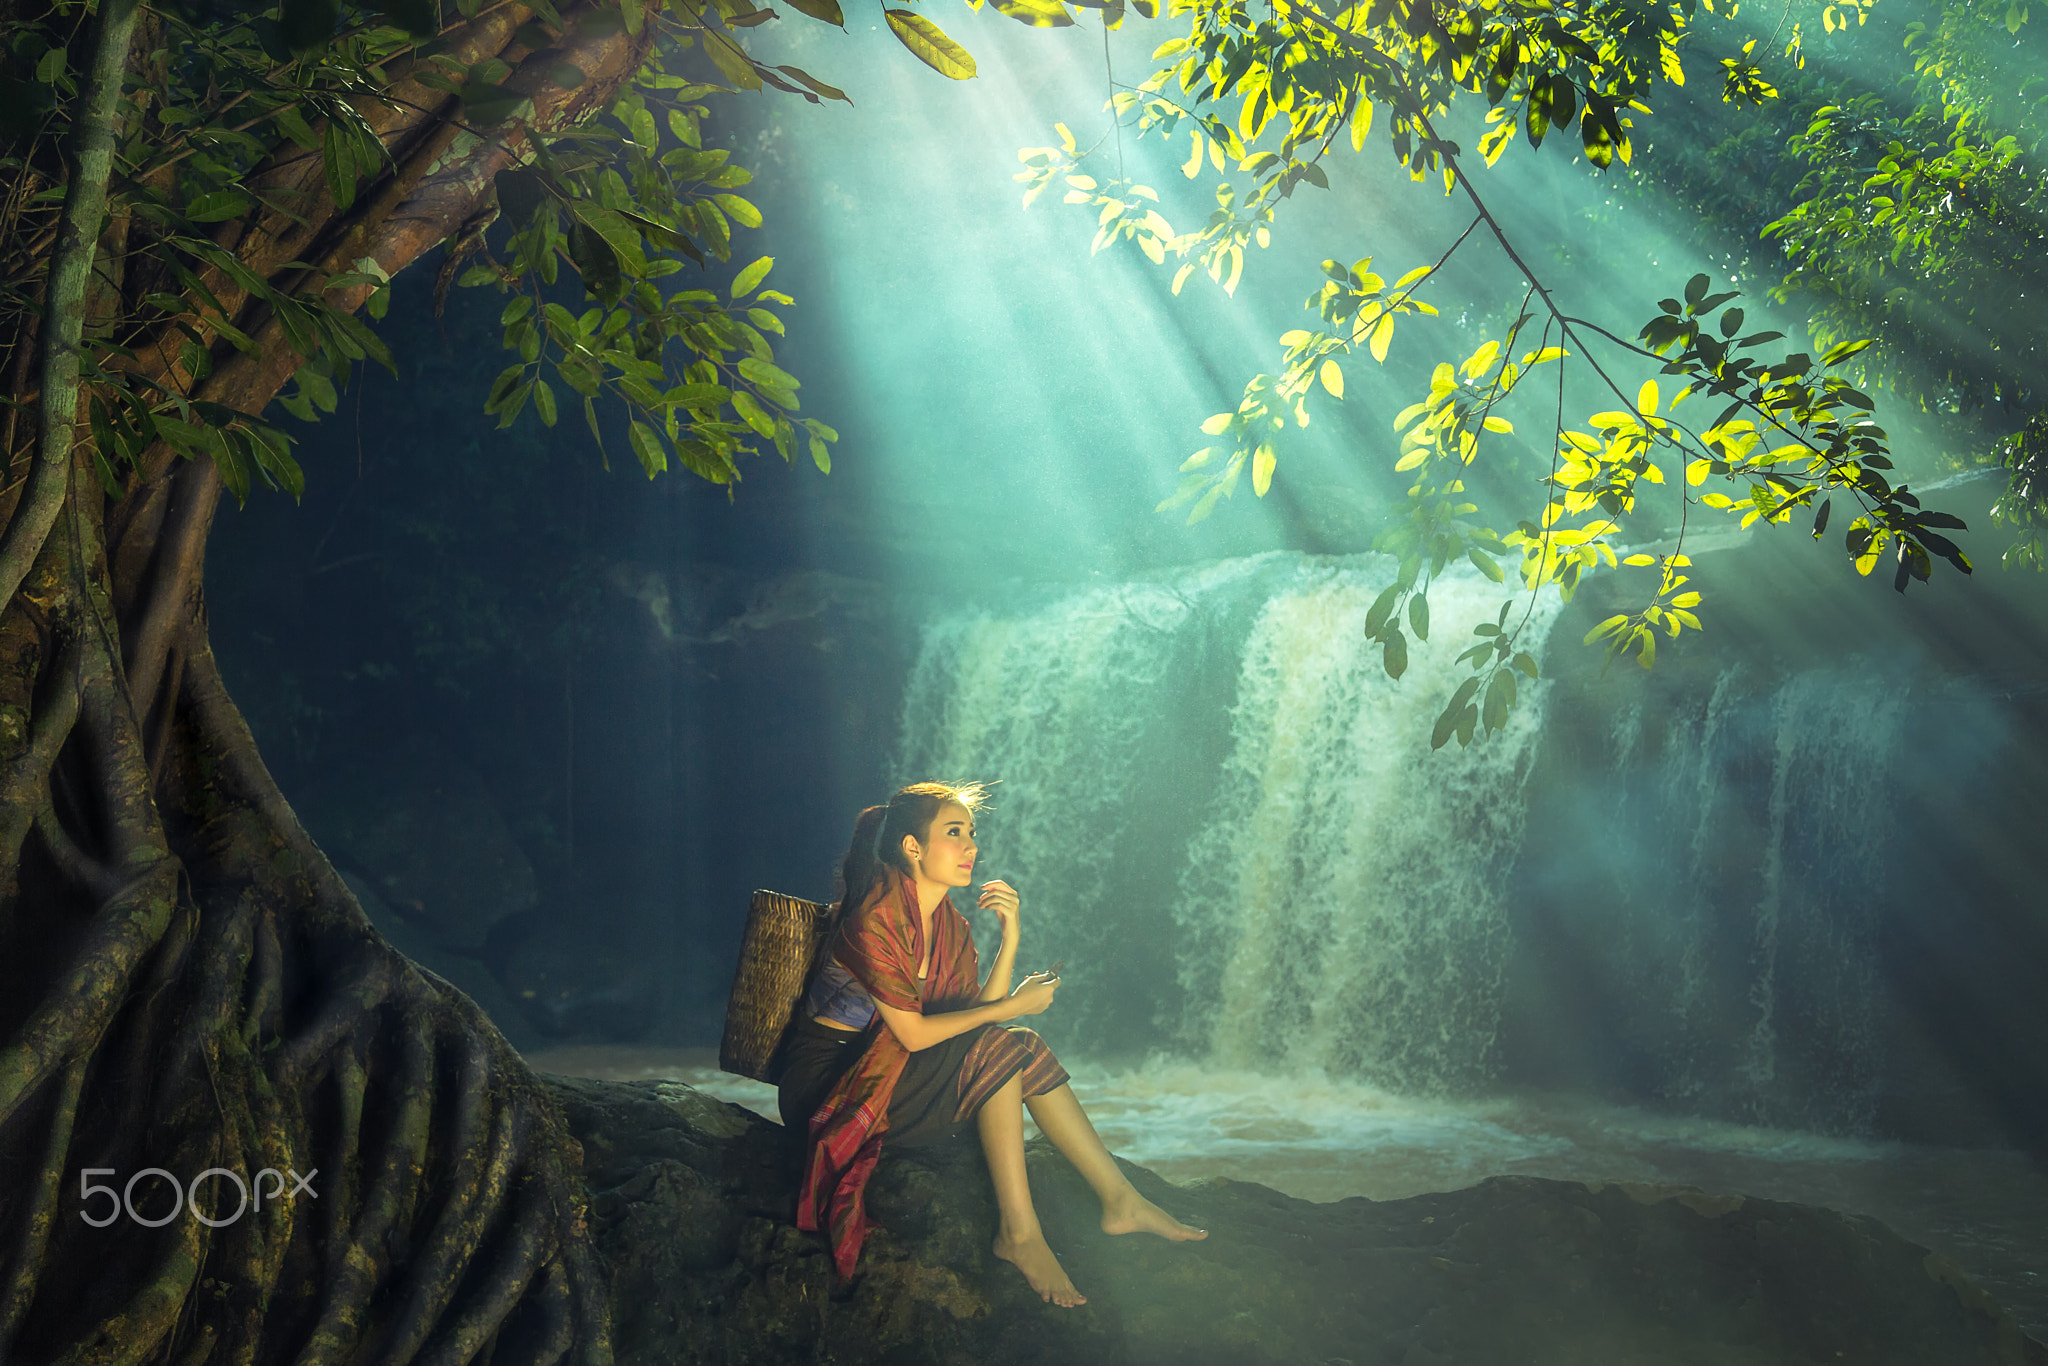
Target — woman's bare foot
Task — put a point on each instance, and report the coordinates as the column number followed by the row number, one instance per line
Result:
column 1031, row 1256
column 1135, row 1214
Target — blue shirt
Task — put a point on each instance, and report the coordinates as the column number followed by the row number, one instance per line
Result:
column 837, row 997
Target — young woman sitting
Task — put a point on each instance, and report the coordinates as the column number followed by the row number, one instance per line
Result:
column 941, row 1057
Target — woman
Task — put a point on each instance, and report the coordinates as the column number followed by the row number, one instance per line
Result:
column 904, row 956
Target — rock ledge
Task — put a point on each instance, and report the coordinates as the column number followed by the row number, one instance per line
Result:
column 692, row 1201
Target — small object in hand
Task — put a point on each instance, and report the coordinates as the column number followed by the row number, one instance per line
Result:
column 1053, row 972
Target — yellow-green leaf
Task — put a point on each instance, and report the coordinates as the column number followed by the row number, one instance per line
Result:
column 752, row 413
column 1037, row 13
column 1262, row 468
column 1647, row 398
column 725, row 54
column 929, row 44
column 1332, row 378
column 1606, row 628
column 1382, row 337
column 738, row 210
column 745, row 283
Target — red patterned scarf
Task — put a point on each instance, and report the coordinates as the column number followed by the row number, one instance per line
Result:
column 881, row 945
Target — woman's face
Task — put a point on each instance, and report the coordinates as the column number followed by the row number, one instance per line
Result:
column 947, row 853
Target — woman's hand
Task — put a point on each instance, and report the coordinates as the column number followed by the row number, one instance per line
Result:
column 1034, row 997
column 1001, row 898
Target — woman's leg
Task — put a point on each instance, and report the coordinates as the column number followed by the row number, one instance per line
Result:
column 1060, row 1118
column 1019, row 1239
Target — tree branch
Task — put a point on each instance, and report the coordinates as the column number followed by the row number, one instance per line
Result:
column 85, row 203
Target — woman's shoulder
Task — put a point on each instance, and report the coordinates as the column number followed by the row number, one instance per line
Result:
column 879, row 915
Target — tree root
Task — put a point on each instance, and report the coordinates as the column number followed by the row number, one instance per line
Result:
column 34, row 1236
column 216, row 1000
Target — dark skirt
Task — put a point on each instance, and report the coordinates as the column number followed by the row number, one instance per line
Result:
column 937, row 1095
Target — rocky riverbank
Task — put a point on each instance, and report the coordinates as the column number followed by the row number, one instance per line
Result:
column 692, row 1201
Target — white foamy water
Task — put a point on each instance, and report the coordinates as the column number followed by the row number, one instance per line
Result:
column 1228, row 821
column 1346, row 879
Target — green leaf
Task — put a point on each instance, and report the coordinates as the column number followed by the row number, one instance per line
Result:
column 544, row 402
column 646, row 443
column 272, row 451
column 340, row 165
column 1606, row 628
column 1485, row 564
column 827, row 10
column 1418, row 616
column 739, row 210
column 1500, row 699
column 1036, row 13
column 217, row 206
column 1446, row 726
column 766, row 375
column 233, row 462
column 294, row 126
column 726, row 55
column 929, row 44
column 820, row 456
column 489, row 102
column 595, row 260
column 753, row 413
column 1395, row 654
column 1447, row 720
column 745, row 282
column 830, row 92
column 1382, row 608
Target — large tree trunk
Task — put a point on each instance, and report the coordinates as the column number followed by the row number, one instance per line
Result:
column 185, row 982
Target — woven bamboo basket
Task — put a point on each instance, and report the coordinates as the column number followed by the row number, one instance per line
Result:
column 776, row 956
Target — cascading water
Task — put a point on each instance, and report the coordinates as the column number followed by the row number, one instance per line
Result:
column 1228, row 821
column 1744, row 845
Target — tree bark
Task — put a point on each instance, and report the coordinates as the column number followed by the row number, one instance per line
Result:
column 186, row 984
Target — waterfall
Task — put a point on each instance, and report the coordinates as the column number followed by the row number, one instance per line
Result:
column 1742, row 847
column 1228, row 821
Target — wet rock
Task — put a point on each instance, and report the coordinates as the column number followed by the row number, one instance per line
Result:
column 420, row 827
column 572, row 979
column 692, row 1202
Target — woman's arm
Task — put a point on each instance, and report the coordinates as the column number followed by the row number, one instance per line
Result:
column 918, row 1031
column 1001, row 898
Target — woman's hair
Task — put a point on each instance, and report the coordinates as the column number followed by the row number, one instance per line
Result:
column 878, row 834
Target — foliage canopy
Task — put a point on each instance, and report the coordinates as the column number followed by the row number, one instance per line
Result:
column 624, row 194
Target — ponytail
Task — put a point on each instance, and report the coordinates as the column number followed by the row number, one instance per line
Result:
column 860, row 869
